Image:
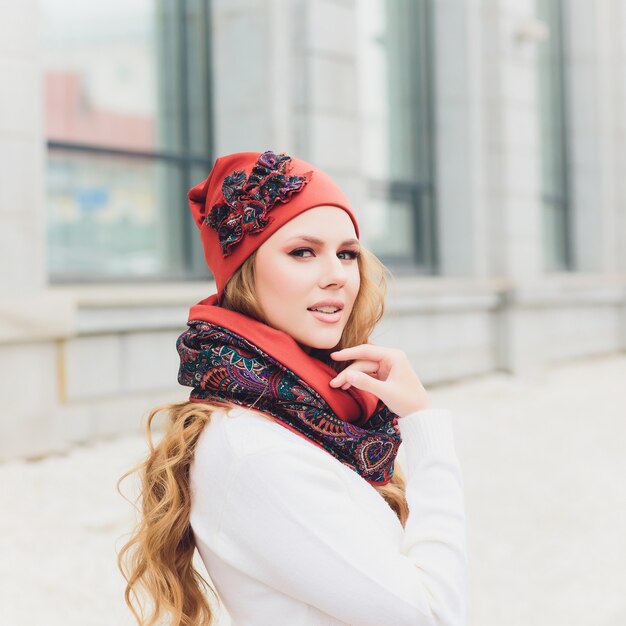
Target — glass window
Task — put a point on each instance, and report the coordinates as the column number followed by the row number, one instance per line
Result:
column 127, row 119
column 395, row 83
column 554, row 174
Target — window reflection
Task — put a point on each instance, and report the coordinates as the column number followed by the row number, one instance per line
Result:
column 99, row 71
column 107, row 217
column 395, row 99
column 126, row 130
column 554, row 175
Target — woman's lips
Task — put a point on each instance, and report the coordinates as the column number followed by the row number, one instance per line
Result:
column 328, row 318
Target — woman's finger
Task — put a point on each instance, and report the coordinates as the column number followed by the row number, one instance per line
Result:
column 370, row 367
column 367, row 351
column 361, row 365
column 361, row 380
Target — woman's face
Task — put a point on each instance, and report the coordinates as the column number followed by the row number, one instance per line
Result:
column 293, row 274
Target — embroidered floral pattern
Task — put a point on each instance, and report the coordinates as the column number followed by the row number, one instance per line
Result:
column 221, row 365
column 248, row 202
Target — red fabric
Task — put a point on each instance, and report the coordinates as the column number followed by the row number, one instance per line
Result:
column 320, row 190
column 352, row 405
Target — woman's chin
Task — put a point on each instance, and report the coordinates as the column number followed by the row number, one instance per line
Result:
column 319, row 343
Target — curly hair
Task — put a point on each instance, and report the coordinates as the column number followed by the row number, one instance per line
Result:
column 158, row 557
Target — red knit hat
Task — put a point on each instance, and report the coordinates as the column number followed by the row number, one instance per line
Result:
column 247, row 197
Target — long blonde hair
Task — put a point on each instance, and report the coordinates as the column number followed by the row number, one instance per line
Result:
column 158, row 557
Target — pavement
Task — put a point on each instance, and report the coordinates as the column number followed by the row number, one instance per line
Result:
column 544, row 469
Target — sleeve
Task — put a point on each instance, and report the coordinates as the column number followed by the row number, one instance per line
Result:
column 292, row 523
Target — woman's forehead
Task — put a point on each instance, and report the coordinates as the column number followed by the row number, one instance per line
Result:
column 324, row 223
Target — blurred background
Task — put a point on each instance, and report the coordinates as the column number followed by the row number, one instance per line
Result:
column 482, row 144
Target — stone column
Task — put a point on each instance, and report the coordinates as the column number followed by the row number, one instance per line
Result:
column 512, row 185
column 22, row 217
column 459, row 128
column 511, row 140
column 32, row 321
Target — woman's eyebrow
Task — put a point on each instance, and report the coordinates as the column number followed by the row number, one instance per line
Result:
column 319, row 242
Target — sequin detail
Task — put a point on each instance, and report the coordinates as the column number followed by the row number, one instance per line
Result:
column 248, row 201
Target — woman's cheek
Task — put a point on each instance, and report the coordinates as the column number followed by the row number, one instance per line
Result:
column 298, row 273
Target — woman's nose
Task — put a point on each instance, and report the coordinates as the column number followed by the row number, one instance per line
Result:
column 334, row 271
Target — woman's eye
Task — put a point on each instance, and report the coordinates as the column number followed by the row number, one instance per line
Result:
column 295, row 252
column 353, row 253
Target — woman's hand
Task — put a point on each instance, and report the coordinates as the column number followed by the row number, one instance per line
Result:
column 385, row 372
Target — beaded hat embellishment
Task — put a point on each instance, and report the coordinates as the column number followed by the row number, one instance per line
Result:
column 248, row 202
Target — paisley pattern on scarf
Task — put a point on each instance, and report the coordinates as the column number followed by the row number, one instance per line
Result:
column 249, row 201
column 222, row 365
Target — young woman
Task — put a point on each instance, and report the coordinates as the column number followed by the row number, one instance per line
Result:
column 281, row 468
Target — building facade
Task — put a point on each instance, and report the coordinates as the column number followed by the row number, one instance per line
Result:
column 481, row 143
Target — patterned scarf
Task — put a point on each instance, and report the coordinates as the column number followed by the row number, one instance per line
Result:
column 229, row 357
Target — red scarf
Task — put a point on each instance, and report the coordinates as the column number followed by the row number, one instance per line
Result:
column 230, row 357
